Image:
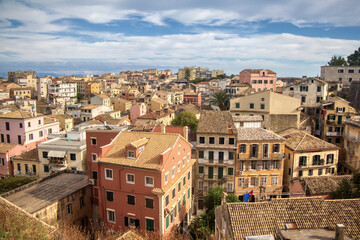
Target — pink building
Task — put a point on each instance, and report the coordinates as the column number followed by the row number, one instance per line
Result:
column 25, row 128
column 7, row 152
column 136, row 111
column 193, row 98
column 142, row 180
column 259, row 79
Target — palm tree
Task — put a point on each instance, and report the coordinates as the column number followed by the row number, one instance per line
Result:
column 220, row 99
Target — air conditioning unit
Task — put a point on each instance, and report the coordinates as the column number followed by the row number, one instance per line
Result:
column 92, row 181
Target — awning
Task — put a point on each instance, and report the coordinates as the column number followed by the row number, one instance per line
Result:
column 57, row 154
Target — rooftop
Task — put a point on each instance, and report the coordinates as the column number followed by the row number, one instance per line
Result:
column 90, row 106
column 149, row 158
column 247, row 118
column 4, row 147
column 220, row 122
column 18, row 115
column 322, row 184
column 257, row 134
column 48, row 191
column 302, row 141
column 259, row 70
column 261, row 218
column 31, row 155
column 353, row 122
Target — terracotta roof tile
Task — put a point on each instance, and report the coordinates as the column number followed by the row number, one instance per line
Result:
column 253, row 134
column 216, row 122
column 322, row 184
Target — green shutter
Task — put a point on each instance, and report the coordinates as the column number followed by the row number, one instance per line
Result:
column 188, row 193
column 211, row 172
column 167, row 222
column 179, row 206
column 175, row 211
column 184, row 200
column 220, row 172
column 150, row 225
column 46, row 168
column 230, row 171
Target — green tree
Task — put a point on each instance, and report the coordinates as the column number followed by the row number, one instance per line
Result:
column 354, row 59
column 220, row 99
column 162, row 76
column 79, row 97
column 186, row 119
column 337, row 61
column 343, row 191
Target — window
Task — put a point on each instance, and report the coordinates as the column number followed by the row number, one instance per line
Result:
column 179, row 166
column 274, row 180
column 303, row 99
column 29, row 124
column 179, row 149
column 251, row 106
column 131, row 154
column 241, row 182
column 110, row 215
column 266, row 81
column 231, row 155
column 8, row 138
column 263, row 181
column 302, row 161
column 130, row 178
column 271, row 81
column 211, row 140
column 39, row 122
column 167, row 222
column 173, row 193
column 132, row 222
column 254, row 150
column 73, row 156
column 230, row 171
column 184, row 199
column 69, row 209
column 318, row 88
column 211, row 155
column 7, row 126
column 242, row 148
column 183, row 162
column 150, row 224
column 318, row 99
column 108, row 174
column 265, row 150
column 201, row 139
column 260, row 81
column 210, row 172
column 149, row 203
column 189, row 174
column 221, row 140
column 31, row 136
column 340, row 70
column 166, row 200
column 221, row 157
column 179, row 186
column 262, row 106
column 49, row 130
column 300, row 173
column 19, row 139
column 201, row 185
column 340, row 109
column 188, row 194
column 166, row 178
column 254, row 81
column 93, row 141
column 276, row 148
column 316, row 160
column 20, row 125
column 2, row 138
column 237, row 105
column 311, row 172
column 94, row 174
column 320, row 171
column 46, row 168
column 130, row 199
column 231, row 141
column 337, row 140
column 201, row 154
column 82, row 202
column 254, row 181
column 149, row 181
column 330, row 159
column 173, row 172
column 94, row 157
column 351, row 71
column 109, row 196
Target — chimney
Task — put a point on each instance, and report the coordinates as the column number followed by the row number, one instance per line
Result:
column 340, row 232
column 162, row 126
column 186, row 133
column 223, row 198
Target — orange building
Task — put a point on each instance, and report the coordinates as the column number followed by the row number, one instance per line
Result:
column 140, row 179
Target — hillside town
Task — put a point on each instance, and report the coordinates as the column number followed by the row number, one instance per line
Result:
column 192, row 154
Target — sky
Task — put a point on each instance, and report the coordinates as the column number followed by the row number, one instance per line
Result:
column 291, row 37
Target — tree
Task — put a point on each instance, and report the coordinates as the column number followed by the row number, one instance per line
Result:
column 348, row 188
column 337, row 61
column 79, row 97
column 162, row 76
column 186, row 119
column 220, row 99
column 354, row 59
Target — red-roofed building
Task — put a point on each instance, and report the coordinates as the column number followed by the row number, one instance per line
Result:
column 193, row 98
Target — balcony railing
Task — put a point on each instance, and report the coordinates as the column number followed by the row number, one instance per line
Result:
column 333, row 134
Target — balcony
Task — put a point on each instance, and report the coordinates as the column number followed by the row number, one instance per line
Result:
column 333, row 134
column 330, row 122
column 215, row 162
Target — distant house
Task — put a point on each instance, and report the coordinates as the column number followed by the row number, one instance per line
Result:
column 101, row 99
column 7, row 153
column 259, row 79
column 192, row 98
column 164, row 116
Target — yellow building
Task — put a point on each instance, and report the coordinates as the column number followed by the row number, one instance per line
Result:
column 29, row 162
column 66, row 121
column 307, row 155
column 92, row 88
column 215, row 73
column 260, row 163
column 22, row 93
column 120, row 104
column 182, row 73
column 158, row 104
column 352, row 147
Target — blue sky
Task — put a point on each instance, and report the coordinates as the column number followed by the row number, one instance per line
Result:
column 292, row 38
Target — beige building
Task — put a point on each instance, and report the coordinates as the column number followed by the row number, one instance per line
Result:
column 66, row 121
column 307, row 155
column 59, row 154
column 182, row 73
column 29, row 162
column 352, row 146
column 260, row 163
column 278, row 111
column 158, row 104
column 120, row 104
column 342, row 74
column 164, row 116
column 101, row 99
column 61, row 198
column 216, row 154
column 215, row 73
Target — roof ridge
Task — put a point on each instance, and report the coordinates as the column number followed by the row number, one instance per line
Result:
column 302, row 139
